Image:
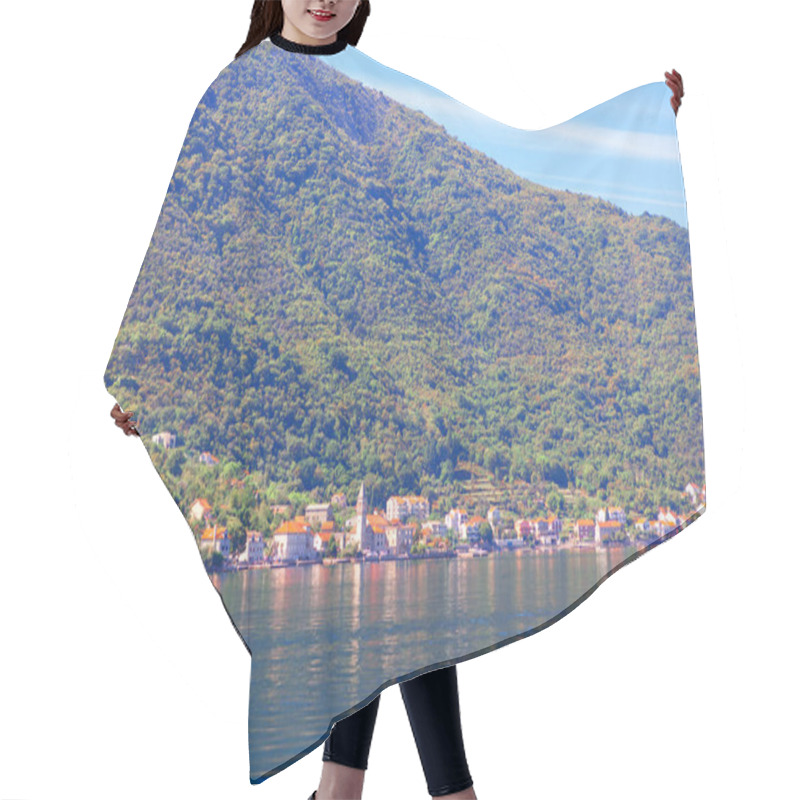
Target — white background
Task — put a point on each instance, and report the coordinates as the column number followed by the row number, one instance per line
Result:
column 121, row 674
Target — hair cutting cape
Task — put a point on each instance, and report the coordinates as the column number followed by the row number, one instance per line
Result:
column 419, row 381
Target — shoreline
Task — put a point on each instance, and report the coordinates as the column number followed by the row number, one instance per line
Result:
column 472, row 552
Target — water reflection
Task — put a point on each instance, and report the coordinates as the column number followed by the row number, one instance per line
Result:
column 326, row 639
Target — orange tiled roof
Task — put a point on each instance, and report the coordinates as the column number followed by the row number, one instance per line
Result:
column 296, row 525
column 409, row 498
column 376, row 521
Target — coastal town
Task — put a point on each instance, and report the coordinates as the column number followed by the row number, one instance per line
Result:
column 404, row 530
column 409, row 528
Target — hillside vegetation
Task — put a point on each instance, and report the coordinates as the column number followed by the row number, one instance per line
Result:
column 338, row 290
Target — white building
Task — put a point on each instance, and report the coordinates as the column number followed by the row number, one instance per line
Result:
column 200, row 509
column 548, row 530
column 470, row 527
column 611, row 513
column 494, row 516
column 693, row 490
column 454, row 518
column 399, row 537
column 254, row 549
column 434, row 527
column 293, row 544
column 217, row 539
column 607, row 530
column 667, row 516
column 322, row 538
column 293, row 539
column 405, row 506
column 165, row 439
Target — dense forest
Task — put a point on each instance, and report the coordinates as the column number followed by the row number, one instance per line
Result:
column 338, row 290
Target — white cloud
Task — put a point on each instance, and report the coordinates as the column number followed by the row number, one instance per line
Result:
column 632, row 144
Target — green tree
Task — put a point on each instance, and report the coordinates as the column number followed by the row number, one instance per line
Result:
column 555, row 502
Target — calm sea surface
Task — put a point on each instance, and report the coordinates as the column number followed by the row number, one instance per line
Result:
column 326, row 639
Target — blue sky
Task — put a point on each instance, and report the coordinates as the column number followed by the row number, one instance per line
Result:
column 624, row 150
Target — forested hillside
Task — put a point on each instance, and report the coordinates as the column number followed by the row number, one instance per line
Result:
column 338, row 290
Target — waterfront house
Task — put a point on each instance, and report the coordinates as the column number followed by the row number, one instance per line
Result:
column 554, row 525
column 322, row 538
column 669, row 521
column 293, row 539
column 399, row 537
column 549, row 538
column 254, row 548
column 217, row 539
column 605, row 531
column 379, row 524
column 320, row 541
column 523, row 528
column 471, row 528
column 546, row 529
column 668, row 516
column 584, row 530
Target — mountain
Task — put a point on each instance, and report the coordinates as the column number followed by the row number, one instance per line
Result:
column 338, row 288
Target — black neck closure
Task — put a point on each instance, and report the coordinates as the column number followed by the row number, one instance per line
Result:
column 310, row 49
